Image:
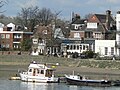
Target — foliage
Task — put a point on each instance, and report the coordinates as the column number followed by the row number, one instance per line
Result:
column 32, row 16
column 75, row 55
column 89, row 54
column 26, row 45
column 45, row 16
column 5, row 20
column 87, row 16
column 27, row 17
column 107, row 58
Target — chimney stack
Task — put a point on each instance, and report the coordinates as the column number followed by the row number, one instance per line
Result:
column 108, row 15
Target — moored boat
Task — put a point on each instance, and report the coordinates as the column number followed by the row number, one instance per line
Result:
column 39, row 73
column 14, row 78
column 79, row 80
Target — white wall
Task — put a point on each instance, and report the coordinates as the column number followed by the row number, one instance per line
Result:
column 91, row 25
column 1, row 26
column 118, row 22
column 101, row 44
column 118, row 33
column 11, row 25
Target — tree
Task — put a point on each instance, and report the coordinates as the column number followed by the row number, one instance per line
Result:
column 27, row 17
column 88, row 16
column 45, row 16
column 32, row 16
column 4, row 19
column 26, row 45
column 2, row 3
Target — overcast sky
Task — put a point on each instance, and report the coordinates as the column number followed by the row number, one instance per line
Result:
column 82, row 7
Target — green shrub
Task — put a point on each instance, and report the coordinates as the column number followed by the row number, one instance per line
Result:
column 89, row 54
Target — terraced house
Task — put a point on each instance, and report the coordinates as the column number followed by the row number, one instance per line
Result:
column 11, row 36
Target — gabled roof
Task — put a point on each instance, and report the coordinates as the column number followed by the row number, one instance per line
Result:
column 78, row 21
column 102, row 18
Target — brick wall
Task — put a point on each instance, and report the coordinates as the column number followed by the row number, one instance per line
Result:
column 13, row 53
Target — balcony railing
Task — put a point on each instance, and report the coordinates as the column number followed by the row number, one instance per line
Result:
column 17, row 36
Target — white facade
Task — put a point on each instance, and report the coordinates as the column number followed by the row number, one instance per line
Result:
column 12, row 26
column 79, row 48
column 1, row 26
column 38, row 46
column 118, row 32
column 105, row 47
column 118, row 21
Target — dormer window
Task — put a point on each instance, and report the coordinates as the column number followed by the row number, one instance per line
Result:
column 91, row 25
column 76, row 35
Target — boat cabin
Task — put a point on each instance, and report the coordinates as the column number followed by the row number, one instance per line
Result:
column 42, row 70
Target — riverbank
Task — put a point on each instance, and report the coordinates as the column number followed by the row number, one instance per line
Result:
column 60, row 71
column 98, row 69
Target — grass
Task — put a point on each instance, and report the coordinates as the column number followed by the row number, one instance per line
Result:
column 26, row 59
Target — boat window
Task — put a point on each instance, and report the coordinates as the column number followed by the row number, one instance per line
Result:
column 30, row 70
column 48, row 73
column 37, row 70
column 42, row 72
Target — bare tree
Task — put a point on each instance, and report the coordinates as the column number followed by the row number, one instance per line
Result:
column 32, row 16
column 2, row 3
column 45, row 16
column 88, row 16
column 27, row 17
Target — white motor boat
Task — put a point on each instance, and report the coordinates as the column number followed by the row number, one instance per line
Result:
column 38, row 73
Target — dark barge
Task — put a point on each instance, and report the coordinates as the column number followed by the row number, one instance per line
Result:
column 78, row 80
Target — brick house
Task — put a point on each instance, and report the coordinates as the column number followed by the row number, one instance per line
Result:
column 11, row 37
column 42, row 34
column 44, row 41
column 99, row 26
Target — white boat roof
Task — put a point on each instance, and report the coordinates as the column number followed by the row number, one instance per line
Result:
column 39, row 66
column 33, row 66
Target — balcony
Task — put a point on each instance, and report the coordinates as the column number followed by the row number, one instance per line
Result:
column 17, row 36
column 17, row 40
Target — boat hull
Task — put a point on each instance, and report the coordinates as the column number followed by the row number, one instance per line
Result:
column 88, row 82
column 28, row 78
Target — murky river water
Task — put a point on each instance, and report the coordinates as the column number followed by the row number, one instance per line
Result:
column 18, row 85
column 6, row 84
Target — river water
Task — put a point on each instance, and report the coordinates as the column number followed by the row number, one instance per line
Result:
column 6, row 84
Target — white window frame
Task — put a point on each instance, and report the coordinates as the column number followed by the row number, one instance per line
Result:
column 8, row 36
